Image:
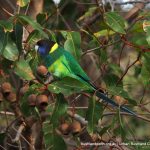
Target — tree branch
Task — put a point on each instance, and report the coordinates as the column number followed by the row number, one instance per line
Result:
column 132, row 2
column 126, row 71
column 19, row 132
column 117, row 3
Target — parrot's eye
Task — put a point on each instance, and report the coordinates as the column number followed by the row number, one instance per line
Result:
column 36, row 47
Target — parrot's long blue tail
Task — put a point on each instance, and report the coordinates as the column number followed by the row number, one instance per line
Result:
column 113, row 103
column 100, row 94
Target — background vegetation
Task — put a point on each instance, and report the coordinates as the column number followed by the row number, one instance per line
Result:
column 110, row 43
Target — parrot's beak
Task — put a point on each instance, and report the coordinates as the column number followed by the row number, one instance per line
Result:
column 36, row 48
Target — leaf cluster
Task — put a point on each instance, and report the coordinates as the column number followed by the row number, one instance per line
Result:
column 117, row 49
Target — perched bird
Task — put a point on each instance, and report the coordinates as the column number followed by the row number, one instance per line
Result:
column 61, row 63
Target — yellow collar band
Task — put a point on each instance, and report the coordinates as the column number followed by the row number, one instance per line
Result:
column 55, row 46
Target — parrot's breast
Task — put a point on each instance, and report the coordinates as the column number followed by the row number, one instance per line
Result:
column 58, row 67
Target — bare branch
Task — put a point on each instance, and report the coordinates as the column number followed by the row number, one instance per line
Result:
column 3, row 148
column 7, row 113
column 126, row 71
column 19, row 132
column 127, row 114
column 6, row 11
column 132, row 2
column 100, row 47
column 77, row 117
column 117, row 3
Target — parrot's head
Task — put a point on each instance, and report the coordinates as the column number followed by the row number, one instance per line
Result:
column 43, row 47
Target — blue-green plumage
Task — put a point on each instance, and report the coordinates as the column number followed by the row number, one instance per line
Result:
column 62, row 64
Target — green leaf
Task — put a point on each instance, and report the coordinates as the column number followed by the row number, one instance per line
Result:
column 41, row 17
column 94, row 113
column 104, row 130
column 139, row 39
column 145, row 72
column 121, row 126
column 7, row 26
column 88, row 13
column 114, row 90
column 146, row 28
column 104, row 32
column 137, row 27
column 137, row 71
column 22, row 3
column 59, row 110
column 48, row 134
column 115, row 68
column 115, row 22
column 33, row 36
column 110, row 79
column 59, row 143
column 64, row 34
column 3, row 40
column 2, row 138
column 34, row 62
column 51, row 139
column 17, row 35
column 23, row 70
column 72, row 44
column 10, row 51
column 103, row 56
column 33, row 23
column 67, row 86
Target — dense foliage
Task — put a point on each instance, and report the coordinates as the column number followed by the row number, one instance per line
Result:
column 113, row 47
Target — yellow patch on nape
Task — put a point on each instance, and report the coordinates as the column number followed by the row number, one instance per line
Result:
column 55, row 46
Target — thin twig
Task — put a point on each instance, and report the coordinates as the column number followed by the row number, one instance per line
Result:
column 100, row 47
column 19, row 132
column 25, row 140
column 19, row 144
column 127, row 114
column 77, row 107
column 27, row 9
column 90, row 20
column 123, row 46
column 14, row 146
column 6, row 11
column 142, row 98
column 11, row 4
column 117, row 3
column 126, row 71
column 54, row 13
column 18, row 9
column 132, row 2
column 144, row 108
column 7, row 113
column 143, row 49
column 77, row 117
column 76, row 98
column 2, row 147
column 82, row 3
column 63, row 19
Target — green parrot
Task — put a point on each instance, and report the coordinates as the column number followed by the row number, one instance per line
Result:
column 61, row 63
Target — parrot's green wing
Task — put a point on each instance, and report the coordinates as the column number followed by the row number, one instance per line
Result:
column 75, row 67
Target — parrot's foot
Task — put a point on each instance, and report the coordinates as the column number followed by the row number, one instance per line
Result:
column 48, row 79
